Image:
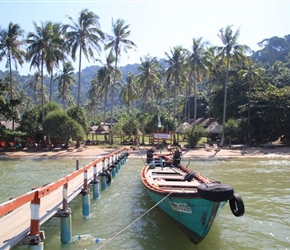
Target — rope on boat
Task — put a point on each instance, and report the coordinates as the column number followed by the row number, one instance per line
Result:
column 141, row 154
column 124, row 229
column 186, row 151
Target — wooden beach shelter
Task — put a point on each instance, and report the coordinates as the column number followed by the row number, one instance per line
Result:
column 182, row 129
column 92, row 131
column 198, row 121
column 102, row 130
column 107, row 122
column 206, row 122
column 214, row 130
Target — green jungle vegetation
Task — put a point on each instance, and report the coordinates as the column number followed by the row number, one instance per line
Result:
column 246, row 91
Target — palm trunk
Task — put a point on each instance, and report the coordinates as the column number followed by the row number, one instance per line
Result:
column 51, row 81
column 249, row 118
column 152, row 99
column 143, row 122
column 174, row 110
column 79, row 82
column 112, row 98
column 225, row 104
column 10, row 75
column 209, row 97
column 11, row 86
column 194, row 92
column 105, row 106
column 105, row 112
column 188, row 102
column 42, row 98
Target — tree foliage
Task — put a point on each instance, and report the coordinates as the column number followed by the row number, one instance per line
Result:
column 78, row 114
column 67, row 128
column 226, row 83
column 194, row 135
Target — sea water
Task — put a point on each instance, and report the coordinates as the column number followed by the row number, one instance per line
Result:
column 121, row 214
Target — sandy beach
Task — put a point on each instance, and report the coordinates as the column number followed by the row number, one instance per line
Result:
column 99, row 151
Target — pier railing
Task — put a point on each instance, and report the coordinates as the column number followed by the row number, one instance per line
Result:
column 21, row 217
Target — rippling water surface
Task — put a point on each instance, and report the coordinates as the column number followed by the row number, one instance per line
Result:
column 122, row 209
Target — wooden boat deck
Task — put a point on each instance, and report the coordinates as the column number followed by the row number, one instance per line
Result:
column 192, row 183
column 167, row 177
column 166, row 170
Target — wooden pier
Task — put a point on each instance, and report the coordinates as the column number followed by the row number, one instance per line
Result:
column 21, row 217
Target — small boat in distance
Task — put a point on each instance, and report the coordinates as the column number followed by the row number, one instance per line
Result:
column 191, row 199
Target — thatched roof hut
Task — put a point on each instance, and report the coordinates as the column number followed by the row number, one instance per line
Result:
column 8, row 124
column 206, row 122
column 215, row 128
column 102, row 129
column 108, row 122
column 182, row 128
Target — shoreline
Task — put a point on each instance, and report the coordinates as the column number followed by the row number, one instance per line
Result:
column 100, row 151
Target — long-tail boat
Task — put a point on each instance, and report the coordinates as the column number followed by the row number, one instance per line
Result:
column 191, row 199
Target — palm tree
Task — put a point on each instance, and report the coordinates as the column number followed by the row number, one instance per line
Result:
column 197, row 60
column 211, row 66
column 56, row 52
column 85, row 35
column 94, row 94
column 128, row 91
column 254, row 74
column 148, row 78
column 35, row 86
column 104, row 80
column 116, row 43
column 65, row 82
column 230, row 52
column 175, row 72
column 11, row 47
column 38, row 49
column 26, row 102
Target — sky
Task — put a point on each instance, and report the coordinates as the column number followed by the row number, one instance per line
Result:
column 158, row 26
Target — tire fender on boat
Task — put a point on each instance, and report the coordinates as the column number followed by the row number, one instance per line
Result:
column 108, row 176
column 215, row 191
column 237, row 205
column 188, row 176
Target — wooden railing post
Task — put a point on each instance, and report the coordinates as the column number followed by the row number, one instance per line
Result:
column 64, row 197
column 36, row 236
column 35, row 215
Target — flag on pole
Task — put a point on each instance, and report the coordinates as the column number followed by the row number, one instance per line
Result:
column 159, row 122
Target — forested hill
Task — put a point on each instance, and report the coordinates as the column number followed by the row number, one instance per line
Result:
column 87, row 75
column 272, row 50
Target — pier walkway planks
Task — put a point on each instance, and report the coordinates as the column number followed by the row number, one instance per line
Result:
column 15, row 225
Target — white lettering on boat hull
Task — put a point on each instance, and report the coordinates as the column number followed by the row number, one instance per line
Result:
column 181, row 207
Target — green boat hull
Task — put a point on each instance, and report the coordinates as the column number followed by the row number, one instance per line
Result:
column 194, row 216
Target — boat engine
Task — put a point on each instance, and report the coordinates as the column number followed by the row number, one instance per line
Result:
column 176, row 158
column 149, row 155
